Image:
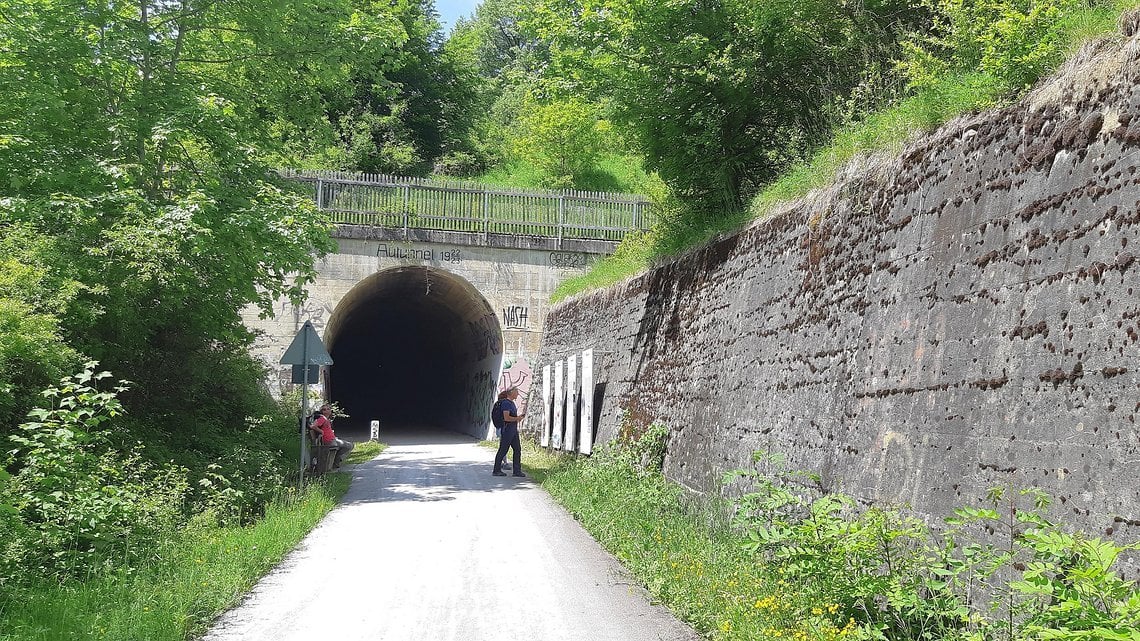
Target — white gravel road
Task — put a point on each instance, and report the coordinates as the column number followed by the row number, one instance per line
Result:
column 428, row 545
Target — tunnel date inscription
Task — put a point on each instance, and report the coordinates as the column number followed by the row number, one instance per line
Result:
column 453, row 255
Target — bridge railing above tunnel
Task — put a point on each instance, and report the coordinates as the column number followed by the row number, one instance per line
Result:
column 403, row 202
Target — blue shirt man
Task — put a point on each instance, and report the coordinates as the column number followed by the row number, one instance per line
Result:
column 507, row 420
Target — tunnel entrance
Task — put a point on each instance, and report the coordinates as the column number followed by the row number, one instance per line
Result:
column 416, row 348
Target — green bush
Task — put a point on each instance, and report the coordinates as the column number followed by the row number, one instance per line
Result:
column 1039, row 580
column 867, row 565
column 1002, row 572
column 81, row 496
column 458, row 163
column 1015, row 41
column 76, row 504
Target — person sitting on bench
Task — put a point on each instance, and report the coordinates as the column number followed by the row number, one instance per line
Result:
column 323, row 426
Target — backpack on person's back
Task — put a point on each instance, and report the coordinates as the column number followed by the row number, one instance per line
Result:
column 497, row 415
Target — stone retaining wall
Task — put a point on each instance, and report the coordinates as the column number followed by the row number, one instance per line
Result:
column 962, row 316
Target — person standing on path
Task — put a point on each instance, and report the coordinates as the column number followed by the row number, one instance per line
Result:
column 497, row 421
column 323, row 424
column 508, row 422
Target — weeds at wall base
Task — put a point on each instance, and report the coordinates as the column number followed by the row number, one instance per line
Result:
column 799, row 563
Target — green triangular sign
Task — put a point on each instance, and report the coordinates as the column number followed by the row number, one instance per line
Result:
column 306, row 349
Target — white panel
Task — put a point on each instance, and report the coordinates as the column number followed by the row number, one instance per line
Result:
column 586, row 442
column 570, row 442
column 559, row 405
column 546, row 401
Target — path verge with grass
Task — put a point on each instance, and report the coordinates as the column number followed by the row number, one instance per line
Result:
column 201, row 572
column 788, row 561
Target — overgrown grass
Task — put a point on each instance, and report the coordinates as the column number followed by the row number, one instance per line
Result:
column 883, row 131
column 365, row 451
column 201, row 573
column 789, row 561
column 687, row 557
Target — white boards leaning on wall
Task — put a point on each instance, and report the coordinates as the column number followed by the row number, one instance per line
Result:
column 568, row 401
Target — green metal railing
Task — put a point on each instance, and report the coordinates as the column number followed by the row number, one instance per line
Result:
column 417, row 203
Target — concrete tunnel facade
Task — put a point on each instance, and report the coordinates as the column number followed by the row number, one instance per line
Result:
column 415, row 347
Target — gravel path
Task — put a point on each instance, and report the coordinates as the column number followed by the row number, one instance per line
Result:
column 428, row 545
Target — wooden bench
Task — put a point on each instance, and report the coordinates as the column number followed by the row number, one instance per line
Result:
column 321, row 457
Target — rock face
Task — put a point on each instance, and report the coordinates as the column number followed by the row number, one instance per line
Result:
column 960, row 317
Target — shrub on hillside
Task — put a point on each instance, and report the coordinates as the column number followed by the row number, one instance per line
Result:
column 1015, row 41
column 73, row 504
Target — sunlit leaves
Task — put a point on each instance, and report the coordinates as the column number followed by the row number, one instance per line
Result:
column 722, row 95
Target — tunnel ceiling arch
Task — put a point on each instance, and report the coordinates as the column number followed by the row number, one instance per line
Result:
column 415, row 347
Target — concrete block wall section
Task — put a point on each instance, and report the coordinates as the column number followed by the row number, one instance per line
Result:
column 963, row 316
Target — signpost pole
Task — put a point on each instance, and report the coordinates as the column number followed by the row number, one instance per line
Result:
column 304, row 405
column 305, row 350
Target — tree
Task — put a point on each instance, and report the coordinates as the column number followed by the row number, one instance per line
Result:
column 721, row 95
column 137, row 138
column 563, row 139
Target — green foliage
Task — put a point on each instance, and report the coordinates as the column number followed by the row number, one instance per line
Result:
column 1041, row 581
column 943, row 84
column 199, row 573
column 796, row 562
column 139, row 204
column 33, row 351
column 1014, row 41
column 870, row 565
column 562, row 139
column 634, row 254
column 78, row 505
column 639, row 448
column 722, row 96
column 886, row 130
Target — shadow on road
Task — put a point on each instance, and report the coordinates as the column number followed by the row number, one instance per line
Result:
column 426, row 465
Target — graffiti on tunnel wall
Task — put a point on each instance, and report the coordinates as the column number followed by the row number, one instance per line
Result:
column 518, row 375
column 485, row 336
column 479, row 400
column 515, row 316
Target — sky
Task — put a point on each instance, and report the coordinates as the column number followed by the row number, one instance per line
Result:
column 452, row 10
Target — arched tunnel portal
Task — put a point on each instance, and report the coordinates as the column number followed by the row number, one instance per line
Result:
column 416, row 348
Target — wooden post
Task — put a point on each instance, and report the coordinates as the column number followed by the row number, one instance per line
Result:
column 561, row 216
column 320, row 194
column 407, row 206
column 486, row 206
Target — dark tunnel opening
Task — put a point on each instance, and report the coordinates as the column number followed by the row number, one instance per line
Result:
column 415, row 348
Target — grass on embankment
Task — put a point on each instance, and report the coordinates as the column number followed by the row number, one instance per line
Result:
column 687, row 558
column 883, row 131
column 202, row 572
